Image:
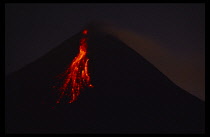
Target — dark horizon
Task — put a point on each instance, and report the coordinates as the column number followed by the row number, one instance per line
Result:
column 32, row 30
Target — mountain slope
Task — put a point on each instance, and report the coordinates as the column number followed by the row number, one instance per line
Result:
column 123, row 100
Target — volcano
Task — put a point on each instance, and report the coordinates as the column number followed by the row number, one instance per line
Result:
column 130, row 95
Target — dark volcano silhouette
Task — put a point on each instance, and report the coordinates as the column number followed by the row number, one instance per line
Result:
column 129, row 96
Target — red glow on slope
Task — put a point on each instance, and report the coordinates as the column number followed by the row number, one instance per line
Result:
column 85, row 32
column 76, row 76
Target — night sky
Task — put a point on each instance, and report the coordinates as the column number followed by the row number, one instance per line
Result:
column 31, row 30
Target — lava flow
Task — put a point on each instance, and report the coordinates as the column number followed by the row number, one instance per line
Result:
column 76, row 76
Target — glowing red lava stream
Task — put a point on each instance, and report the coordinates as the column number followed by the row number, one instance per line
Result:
column 76, row 76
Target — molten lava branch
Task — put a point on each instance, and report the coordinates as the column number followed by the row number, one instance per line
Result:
column 76, row 76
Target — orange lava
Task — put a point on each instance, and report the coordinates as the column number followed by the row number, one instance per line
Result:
column 76, row 76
